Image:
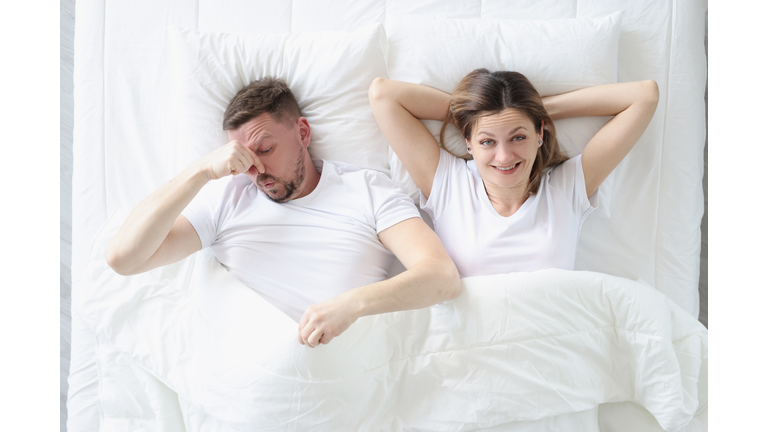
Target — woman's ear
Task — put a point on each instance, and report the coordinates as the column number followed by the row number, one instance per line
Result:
column 469, row 149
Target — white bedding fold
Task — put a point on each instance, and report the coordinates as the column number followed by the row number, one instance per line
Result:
column 515, row 347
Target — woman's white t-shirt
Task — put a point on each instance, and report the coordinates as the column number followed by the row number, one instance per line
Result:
column 542, row 234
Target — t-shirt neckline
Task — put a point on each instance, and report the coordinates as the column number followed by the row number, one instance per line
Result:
column 319, row 165
column 481, row 191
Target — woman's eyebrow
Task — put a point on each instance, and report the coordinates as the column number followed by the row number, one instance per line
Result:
column 510, row 133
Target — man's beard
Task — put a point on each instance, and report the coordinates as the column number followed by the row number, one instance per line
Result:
column 290, row 187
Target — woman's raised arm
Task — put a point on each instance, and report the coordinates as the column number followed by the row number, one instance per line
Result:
column 632, row 104
column 398, row 107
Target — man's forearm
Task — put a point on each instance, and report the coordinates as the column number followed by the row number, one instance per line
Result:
column 149, row 223
column 425, row 284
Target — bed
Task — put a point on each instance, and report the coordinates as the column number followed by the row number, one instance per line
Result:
column 150, row 78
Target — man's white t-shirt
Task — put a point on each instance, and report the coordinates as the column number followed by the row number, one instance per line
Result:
column 297, row 253
column 542, row 234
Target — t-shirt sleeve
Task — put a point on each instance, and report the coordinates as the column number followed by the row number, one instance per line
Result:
column 448, row 168
column 568, row 178
column 204, row 210
column 390, row 204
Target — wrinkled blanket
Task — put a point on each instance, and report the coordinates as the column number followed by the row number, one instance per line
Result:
column 515, row 347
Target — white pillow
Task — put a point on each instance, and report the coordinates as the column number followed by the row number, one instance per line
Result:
column 555, row 55
column 328, row 72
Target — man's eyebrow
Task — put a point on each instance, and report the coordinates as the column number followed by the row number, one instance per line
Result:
column 492, row 135
column 261, row 139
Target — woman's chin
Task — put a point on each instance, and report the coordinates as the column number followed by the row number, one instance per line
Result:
column 503, row 180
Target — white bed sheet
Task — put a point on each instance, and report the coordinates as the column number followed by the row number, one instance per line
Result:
column 188, row 341
column 122, row 105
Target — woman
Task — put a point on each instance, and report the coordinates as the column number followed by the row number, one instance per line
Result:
column 519, row 205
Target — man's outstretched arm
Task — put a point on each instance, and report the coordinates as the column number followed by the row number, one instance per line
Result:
column 155, row 233
column 431, row 277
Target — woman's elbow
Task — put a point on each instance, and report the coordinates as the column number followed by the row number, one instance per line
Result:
column 377, row 90
column 651, row 92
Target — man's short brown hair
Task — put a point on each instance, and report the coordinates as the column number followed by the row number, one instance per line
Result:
column 267, row 95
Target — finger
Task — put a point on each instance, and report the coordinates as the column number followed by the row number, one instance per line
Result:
column 326, row 339
column 255, row 161
column 247, row 160
column 304, row 329
column 230, row 164
column 302, row 323
column 314, row 338
column 235, row 167
column 233, row 164
column 306, row 332
column 250, row 159
column 244, row 160
column 240, row 165
column 244, row 150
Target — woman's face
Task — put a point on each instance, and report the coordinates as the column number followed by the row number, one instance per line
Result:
column 504, row 147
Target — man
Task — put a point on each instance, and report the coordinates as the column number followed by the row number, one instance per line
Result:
column 315, row 238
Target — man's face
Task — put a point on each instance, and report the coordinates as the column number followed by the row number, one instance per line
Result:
column 282, row 150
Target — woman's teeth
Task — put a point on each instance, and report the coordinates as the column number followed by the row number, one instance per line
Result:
column 508, row 168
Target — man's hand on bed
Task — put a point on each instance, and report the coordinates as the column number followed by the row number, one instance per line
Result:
column 327, row 319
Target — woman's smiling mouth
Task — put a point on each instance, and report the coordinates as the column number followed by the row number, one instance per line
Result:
column 508, row 169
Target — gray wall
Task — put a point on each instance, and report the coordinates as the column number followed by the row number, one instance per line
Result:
column 703, row 283
column 67, row 34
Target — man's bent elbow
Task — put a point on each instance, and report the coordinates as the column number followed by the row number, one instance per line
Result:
column 117, row 261
column 452, row 284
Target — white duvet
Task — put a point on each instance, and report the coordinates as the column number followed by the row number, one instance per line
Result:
column 197, row 350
